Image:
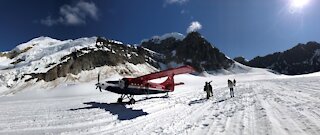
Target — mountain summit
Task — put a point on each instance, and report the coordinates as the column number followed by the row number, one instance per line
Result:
column 193, row 50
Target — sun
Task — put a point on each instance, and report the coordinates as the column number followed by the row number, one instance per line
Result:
column 299, row 3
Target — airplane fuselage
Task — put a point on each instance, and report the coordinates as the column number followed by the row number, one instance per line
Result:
column 115, row 86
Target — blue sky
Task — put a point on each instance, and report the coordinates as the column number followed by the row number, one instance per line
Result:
column 237, row 27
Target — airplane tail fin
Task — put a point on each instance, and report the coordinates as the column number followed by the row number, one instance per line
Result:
column 169, row 83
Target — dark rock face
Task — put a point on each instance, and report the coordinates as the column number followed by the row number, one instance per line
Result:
column 90, row 58
column 241, row 60
column 14, row 53
column 193, row 50
column 301, row 59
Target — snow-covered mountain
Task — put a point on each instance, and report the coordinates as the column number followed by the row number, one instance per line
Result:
column 301, row 59
column 45, row 59
column 47, row 63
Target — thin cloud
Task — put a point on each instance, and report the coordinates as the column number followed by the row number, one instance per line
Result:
column 49, row 21
column 176, row 1
column 194, row 26
column 171, row 2
column 183, row 11
column 76, row 14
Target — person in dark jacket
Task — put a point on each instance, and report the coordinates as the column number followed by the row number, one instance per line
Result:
column 208, row 89
column 231, row 85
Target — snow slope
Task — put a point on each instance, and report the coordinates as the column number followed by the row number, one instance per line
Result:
column 41, row 54
column 264, row 103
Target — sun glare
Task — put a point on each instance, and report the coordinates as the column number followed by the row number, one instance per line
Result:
column 299, row 3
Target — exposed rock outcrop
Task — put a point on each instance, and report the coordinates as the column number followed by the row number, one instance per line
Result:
column 193, row 50
column 106, row 54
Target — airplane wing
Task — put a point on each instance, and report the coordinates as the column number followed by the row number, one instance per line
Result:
column 168, row 72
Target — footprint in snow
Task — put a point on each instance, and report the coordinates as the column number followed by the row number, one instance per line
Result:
column 205, row 125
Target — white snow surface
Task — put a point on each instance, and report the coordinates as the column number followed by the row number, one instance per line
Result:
column 40, row 41
column 264, row 103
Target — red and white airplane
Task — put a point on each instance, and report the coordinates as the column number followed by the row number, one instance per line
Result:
column 128, row 87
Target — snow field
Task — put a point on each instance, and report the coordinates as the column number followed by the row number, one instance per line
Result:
column 263, row 104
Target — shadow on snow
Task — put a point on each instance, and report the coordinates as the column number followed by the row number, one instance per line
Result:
column 147, row 98
column 202, row 100
column 121, row 110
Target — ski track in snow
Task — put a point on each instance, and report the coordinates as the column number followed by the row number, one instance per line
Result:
column 274, row 106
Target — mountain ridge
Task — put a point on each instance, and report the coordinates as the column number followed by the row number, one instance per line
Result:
column 300, row 59
column 47, row 62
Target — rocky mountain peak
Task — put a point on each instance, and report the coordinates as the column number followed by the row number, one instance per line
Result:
column 196, row 39
column 240, row 59
column 168, row 37
column 194, row 35
column 193, row 50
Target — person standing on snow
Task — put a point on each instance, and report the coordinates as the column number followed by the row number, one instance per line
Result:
column 208, row 89
column 231, row 85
